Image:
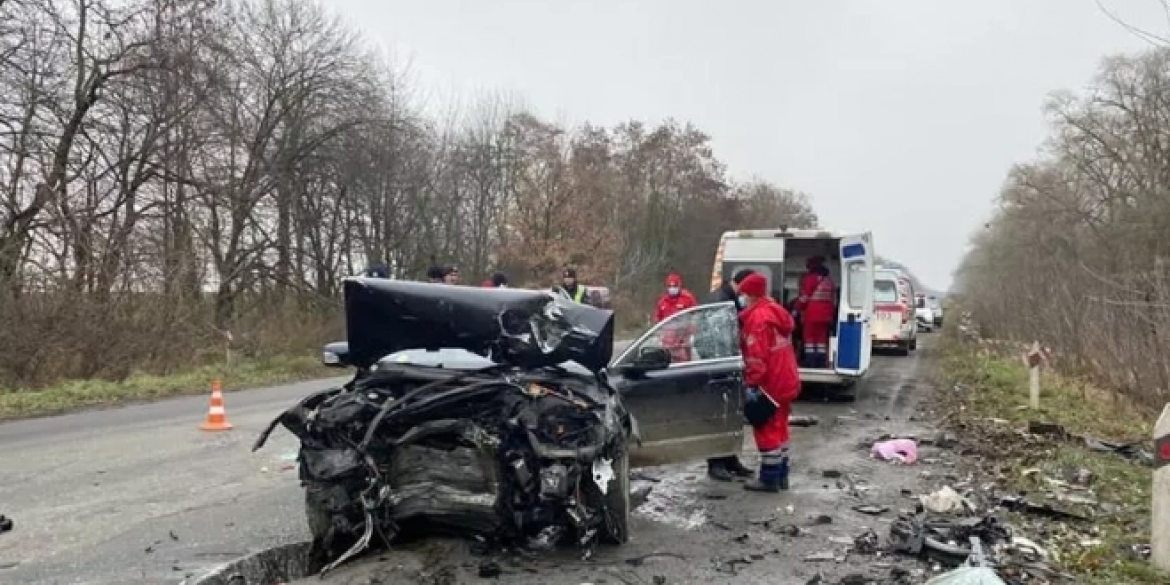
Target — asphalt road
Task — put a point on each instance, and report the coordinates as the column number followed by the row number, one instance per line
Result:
column 139, row 495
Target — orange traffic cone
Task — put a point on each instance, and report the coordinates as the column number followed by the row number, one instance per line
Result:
column 216, row 414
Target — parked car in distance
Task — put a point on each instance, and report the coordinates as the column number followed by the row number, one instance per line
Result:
column 923, row 313
column 894, row 322
column 936, row 308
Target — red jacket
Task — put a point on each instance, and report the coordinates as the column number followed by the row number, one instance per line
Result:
column 668, row 305
column 768, row 356
column 816, row 297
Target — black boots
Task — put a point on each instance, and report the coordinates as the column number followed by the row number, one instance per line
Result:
column 717, row 470
column 773, row 473
column 738, row 469
column 727, row 469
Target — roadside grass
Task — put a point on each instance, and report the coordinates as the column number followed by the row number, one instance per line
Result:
column 991, row 388
column 71, row 395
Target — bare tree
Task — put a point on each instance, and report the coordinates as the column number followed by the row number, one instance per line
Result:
column 1080, row 234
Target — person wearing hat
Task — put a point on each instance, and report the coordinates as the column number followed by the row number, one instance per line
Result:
column 675, row 299
column 727, row 468
column 571, row 288
column 435, row 274
column 499, row 280
column 815, row 306
column 771, row 377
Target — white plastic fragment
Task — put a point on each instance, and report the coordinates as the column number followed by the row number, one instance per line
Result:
column 602, row 474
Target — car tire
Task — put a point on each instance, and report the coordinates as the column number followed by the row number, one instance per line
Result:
column 914, row 344
column 616, row 529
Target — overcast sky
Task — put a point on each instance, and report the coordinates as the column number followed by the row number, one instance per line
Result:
column 897, row 116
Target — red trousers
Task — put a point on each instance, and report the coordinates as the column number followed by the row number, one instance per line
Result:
column 815, row 335
column 773, row 434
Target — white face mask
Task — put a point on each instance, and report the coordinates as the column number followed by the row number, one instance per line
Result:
column 742, row 300
column 672, row 291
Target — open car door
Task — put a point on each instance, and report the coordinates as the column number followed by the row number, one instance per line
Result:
column 683, row 382
column 855, row 314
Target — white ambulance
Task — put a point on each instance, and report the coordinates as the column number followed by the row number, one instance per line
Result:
column 780, row 255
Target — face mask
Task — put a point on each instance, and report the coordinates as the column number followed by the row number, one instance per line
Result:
column 672, row 291
column 742, row 300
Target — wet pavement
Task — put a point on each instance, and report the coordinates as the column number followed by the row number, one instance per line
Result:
column 693, row 530
column 140, row 496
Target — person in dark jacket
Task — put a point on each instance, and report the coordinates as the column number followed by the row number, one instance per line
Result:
column 573, row 289
column 499, row 280
column 435, row 274
column 728, row 468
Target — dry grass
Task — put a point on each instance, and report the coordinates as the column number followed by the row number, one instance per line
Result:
column 992, row 383
column 77, row 394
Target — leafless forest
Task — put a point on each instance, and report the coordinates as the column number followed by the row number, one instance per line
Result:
column 1078, row 254
column 176, row 173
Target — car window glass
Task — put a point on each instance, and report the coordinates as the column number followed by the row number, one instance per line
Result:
column 885, row 291
column 920, row 303
column 857, row 292
column 705, row 333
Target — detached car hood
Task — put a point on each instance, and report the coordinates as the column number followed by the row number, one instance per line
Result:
column 524, row 328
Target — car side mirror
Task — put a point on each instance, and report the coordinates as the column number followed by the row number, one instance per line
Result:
column 336, row 355
column 652, row 358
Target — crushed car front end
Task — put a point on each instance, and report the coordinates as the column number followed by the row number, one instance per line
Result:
column 520, row 451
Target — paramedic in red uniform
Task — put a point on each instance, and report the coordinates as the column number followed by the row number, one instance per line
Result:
column 676, row 299
column 771, row 380
column 815, row 304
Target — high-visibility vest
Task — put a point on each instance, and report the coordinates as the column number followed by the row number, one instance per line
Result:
column 580, row 296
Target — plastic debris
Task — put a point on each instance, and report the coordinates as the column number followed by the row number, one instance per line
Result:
column 968, row 576
column 898, row 450
column 946, row 501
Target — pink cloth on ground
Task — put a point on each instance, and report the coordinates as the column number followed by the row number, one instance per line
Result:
column 904, row 450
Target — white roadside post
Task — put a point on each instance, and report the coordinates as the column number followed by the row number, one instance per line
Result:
column 1034, row 358
column 1160, row 509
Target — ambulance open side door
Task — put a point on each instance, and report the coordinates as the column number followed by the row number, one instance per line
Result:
column 855, row 312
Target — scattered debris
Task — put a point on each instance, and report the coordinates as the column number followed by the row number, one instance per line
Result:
column 866, row 543
column 968, row 576
column 641, row 560
column 946, row 501
column 5, row 524
column 820, row 557
column 871, row 509
column 1021, row 504
column 803, row 421
column 831, row 473
column 896, row 450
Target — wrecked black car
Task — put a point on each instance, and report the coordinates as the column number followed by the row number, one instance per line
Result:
column 497, row 413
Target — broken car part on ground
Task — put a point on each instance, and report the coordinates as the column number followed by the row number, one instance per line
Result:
column 529, row 450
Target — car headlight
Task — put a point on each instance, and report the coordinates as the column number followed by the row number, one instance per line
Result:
column 330, row 358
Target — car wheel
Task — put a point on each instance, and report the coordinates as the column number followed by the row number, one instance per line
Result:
column 914, row 344
column 617, row 503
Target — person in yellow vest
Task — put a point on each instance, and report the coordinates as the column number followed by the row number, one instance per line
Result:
column 572, row 289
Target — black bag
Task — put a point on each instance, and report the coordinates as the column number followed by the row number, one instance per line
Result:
column 760, row 411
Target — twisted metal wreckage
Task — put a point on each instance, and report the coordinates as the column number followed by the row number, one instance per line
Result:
column 530, row 449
